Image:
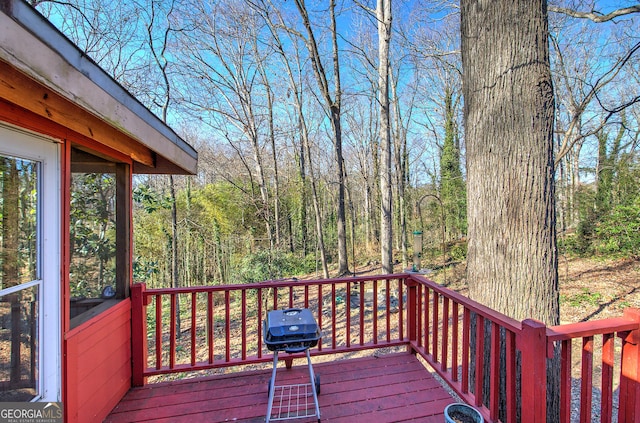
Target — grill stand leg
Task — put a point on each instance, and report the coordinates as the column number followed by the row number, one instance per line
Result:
column 272, row 385
column 313, row 384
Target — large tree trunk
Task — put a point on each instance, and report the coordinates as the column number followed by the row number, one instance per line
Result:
column 508, row 116
column 512, row 262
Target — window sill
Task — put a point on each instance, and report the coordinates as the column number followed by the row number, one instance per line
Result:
column 101, row 306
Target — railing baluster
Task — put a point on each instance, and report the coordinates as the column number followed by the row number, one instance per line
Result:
column 419, row 315
column 210, row 327
column 291, row 297
column 320, row 312
column 494, row 372
column 275, row 297
column 158, row 331
column 565, row 380
column 454, row 341
column 361, row 312
column 445, row 333
column 466, row 348
column 434, row 330
column 510, row 361
column 375, row 311
column 388, row 310
column 347, row 303
column 227, row 326
column 479, row 364
column 606, row 401
column 334, row 313
column 172, row 333
column 193, row 328
column 306, row 296
column 427, row 320
column 586, row 379
column 400, row 308
column 259, row 299
column 243, row 323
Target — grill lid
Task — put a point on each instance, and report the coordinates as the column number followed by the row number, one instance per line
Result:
column 291, row 326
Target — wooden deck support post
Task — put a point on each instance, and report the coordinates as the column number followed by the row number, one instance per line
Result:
column 629, row 410
column 138, row 333
column 412, row 314
column 533, row 346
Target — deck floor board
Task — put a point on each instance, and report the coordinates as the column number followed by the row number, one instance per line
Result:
column 388, row 388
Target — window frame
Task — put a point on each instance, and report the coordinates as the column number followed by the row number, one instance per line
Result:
column 46, row 152
column 123, row 261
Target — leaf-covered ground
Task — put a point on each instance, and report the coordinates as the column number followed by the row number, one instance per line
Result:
column 590, row 289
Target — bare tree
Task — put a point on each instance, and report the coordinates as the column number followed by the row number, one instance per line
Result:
column 224, row 57
column 294, row 70
column 158, row 42
column 508, row 114
column 333, row 104
column 383, row 15
column 586, row 91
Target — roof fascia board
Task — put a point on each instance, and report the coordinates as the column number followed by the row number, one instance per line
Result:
column 34, row 46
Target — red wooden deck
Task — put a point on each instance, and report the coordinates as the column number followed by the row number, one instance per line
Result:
column 388, row 388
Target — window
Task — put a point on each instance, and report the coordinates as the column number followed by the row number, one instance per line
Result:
column 30, row 352
column 18, row 278
column 99, row 233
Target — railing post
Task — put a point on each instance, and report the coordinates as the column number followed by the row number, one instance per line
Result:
column 138, row 333
column 630, row 373
column 533, row 382
column 412, row 314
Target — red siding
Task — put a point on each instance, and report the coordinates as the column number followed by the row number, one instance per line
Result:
column 98, row 360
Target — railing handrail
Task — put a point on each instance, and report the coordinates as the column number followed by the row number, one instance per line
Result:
column 277, row 283
column 495, row 316
column 590, row 328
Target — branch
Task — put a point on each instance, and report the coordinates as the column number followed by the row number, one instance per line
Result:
column 566, row 144
column 594, row 15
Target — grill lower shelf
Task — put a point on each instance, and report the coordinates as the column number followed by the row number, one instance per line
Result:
column 293, row 402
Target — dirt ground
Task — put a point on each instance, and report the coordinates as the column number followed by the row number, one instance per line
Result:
column 590, row 289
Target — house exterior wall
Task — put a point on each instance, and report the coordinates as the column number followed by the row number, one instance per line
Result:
column 49, row 87
column 96, row 355
column 98, row 363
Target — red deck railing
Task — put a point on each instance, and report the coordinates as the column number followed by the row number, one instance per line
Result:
column 493, row 362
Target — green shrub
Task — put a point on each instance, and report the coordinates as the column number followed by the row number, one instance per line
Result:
column 271, row 265
column 458, row 251
column 619, row 231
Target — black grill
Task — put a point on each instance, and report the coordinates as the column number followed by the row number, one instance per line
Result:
column 291, row 330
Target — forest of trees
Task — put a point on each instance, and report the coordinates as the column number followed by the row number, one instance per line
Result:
column 329, row 131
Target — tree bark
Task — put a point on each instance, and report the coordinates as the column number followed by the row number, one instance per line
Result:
column 383, row 14
column 509, row 109
column 508, row 116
